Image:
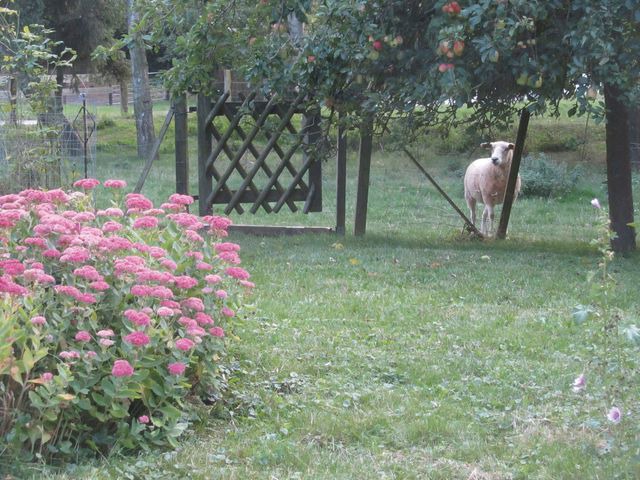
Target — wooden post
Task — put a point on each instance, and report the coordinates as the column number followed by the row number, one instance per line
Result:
column 204, row 150
column 181, row 145
column 13, row 100
column 154, row 150
column 228, row 81
column 364, row 169
column 513, row 174
column 341, row 180
column 311, row 139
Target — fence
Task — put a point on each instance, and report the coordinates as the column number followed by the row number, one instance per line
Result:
column 100, row 94
column 45, row 150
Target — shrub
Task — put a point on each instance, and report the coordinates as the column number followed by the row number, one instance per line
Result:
column 543, row 178
column 105, row 122
column 111, row 319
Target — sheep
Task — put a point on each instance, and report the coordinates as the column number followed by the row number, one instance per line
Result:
column 485, row 181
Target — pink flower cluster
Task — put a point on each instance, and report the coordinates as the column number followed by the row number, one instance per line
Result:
column 137, row 339
column 124, row 300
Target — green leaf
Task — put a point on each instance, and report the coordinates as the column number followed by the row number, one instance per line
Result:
column 118, row 411
column 100, row 399
column 170, row 412
column 108, row 387
column 27, row 360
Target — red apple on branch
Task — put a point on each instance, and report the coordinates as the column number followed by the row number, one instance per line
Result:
column 458, row 47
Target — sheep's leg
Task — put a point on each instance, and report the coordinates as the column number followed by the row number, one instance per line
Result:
column 471, row 203
column 488, row 216
column 485, row 215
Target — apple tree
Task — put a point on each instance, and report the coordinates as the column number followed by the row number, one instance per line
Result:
column 423, row 60
column 420, row 61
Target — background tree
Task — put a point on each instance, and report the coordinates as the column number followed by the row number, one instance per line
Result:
column 80, row 24
column 112, row 63
column 142, row 104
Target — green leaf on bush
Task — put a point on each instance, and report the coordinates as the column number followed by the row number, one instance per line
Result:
column 170, row 412
column 65, row 446
column 118, row 411
column 108, row 387
column 100, row 399
column 157, row 388
column 36, row 400
column 84, row 404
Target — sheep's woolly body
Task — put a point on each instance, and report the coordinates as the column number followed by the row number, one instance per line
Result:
column 485, row 181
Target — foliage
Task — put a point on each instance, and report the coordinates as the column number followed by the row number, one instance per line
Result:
column 30, row 60
column 609, row 374
column 110, row 321
column 421, row 60
column 80, row 24
column 31, row 56
column 111, row 62
column 542, row 177
column 199, row 38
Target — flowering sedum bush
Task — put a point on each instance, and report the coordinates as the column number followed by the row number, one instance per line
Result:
column 109, row 320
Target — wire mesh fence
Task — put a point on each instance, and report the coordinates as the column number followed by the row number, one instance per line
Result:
column 45, row 150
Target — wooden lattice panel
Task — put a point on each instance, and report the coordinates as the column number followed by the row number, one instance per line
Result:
column 258, row 157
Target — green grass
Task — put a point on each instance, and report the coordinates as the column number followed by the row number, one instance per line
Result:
column 412, row 352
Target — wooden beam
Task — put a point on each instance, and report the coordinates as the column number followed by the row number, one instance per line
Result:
column 181, row 145
column 313, row 133
column 216, row 176
column 266, row 149
column 470, row 226
column 276, row 173
column 220, row 144
column 235, row 161
column 341, row 180
column 204, row 150
column 364, row 169
column 265, row 167
column 509, row 194
column 154, row 151
column 274, row 230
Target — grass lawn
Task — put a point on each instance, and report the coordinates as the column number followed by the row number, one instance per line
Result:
column 413, row 352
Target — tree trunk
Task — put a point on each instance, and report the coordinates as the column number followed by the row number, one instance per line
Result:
column 619, row 171
column 57, row 100
column 142, row 105
column 124, row 97
column 296, row 29
column 634, row 136
column 13, row 100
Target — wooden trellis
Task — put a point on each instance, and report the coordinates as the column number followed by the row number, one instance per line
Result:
column 254, row 164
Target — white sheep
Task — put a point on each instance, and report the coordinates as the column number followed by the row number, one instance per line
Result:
column 485, row 181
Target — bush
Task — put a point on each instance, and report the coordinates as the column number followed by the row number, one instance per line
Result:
column 110, row 320
column 543, row 178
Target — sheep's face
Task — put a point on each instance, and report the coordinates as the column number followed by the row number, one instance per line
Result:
column 499, row 151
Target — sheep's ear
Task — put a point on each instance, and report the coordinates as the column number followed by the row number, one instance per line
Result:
column 511, row 146
column 485, row 145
